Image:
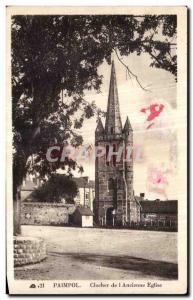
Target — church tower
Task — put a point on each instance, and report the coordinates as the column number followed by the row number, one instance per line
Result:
column 115, row 203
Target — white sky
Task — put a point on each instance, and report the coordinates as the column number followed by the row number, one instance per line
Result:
column 156, row 142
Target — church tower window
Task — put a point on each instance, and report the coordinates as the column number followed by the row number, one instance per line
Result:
column 110, row 184
column 107, row 154
column 114, row 155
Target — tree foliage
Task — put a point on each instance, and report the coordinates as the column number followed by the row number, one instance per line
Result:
column 59, row 55
column 57, row 187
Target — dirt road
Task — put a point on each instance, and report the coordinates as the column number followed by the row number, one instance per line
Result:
column 90, row 253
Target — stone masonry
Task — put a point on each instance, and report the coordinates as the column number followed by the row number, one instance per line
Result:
column 115, row 201
column 28, row 250
column 37, row 213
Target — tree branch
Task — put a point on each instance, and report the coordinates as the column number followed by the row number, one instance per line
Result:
column 131, row 73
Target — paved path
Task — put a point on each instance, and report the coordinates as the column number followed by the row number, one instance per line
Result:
column 90, row 253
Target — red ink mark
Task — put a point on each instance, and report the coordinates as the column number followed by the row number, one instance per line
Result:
column 149, row 126
column 155, row 110
column 157, row 180
column 157, row 176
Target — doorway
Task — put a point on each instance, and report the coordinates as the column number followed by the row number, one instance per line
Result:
column 109, row 216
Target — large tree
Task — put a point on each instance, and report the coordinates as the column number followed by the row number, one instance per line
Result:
column 56, row 188
column 55, row 61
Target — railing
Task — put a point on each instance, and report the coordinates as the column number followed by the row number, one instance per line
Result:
column 153, row 226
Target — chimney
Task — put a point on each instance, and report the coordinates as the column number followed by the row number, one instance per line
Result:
column 142, row 195
column 85, row 178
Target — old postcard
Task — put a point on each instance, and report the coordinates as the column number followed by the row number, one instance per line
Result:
column 97, row 150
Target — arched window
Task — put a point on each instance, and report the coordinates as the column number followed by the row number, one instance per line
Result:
column 107, row 153
column 110, row 184
column 114, row 155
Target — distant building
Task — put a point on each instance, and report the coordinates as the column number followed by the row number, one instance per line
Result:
column 29, row 185
column 159, row 213
column 86, row 192
column 83, row 217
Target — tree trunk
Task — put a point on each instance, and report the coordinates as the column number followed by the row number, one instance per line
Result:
column 17, row 213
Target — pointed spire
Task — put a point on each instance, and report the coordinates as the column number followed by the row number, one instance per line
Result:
column 113, row 119
column 127, row 127
column 99, row 128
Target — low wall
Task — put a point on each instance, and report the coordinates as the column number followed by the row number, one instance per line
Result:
column 36, row 213
column 28, row 250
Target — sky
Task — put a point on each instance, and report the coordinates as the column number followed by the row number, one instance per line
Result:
column 156, row 173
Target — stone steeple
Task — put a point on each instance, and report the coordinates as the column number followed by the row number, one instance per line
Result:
column 114, row 199
column 99, row 128
column 127, row 127
column 113, row 119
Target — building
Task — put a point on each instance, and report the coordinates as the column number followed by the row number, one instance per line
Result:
column 159, row 213
column 86, row 192
column 83, row 217
column 115, row 201
column 29, row 185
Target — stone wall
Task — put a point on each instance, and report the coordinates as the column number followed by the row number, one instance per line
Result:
column 28, row 250
column 37, row 213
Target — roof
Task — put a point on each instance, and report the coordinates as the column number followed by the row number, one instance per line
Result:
column 158, row 206
column 127, row 127
column 27, row 195
column 99, row 128
column 91, row 184
column 113, row 123
column 29, row 186
column 139, row 199
column 84, row 211
column 84, row 182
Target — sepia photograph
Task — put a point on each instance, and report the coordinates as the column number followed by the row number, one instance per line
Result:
column 97, row 166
